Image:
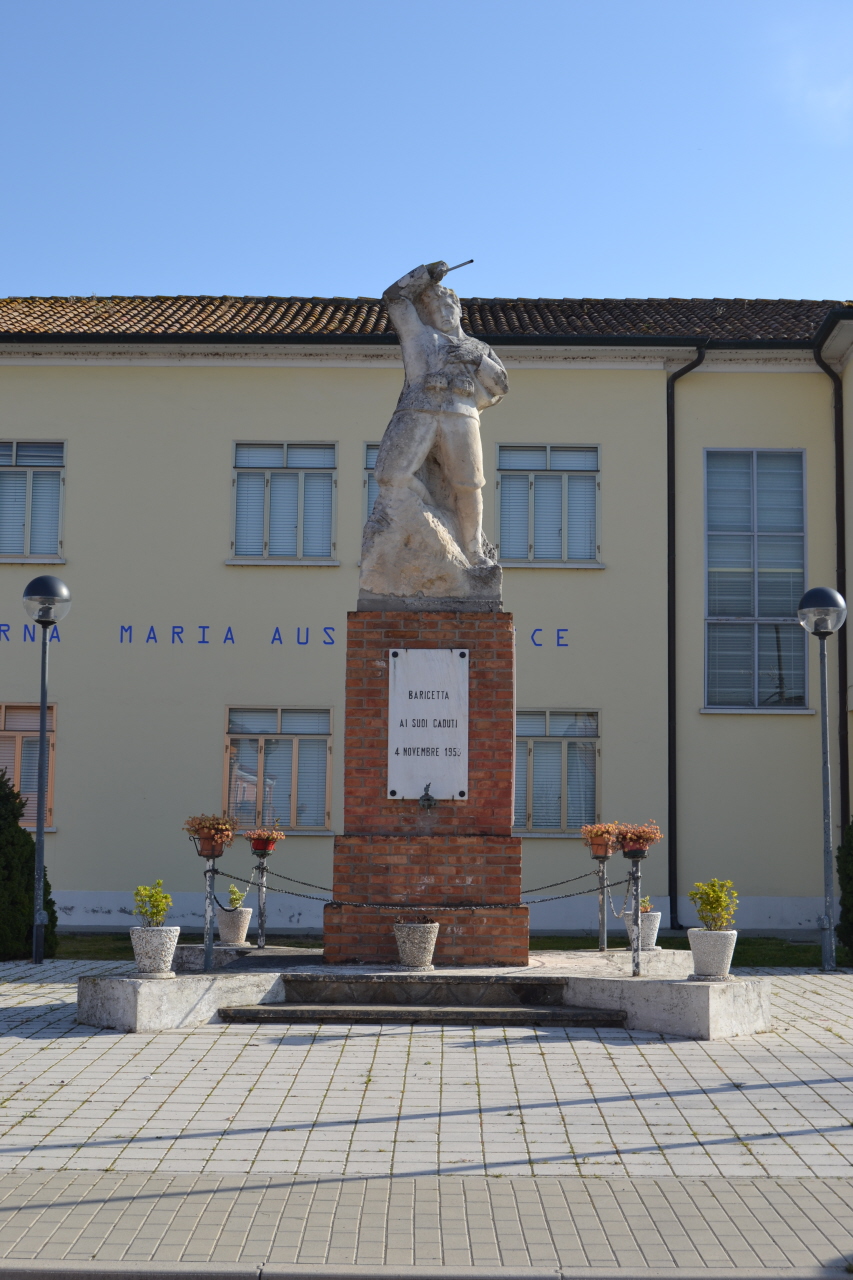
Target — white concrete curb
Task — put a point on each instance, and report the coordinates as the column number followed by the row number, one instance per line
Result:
column 68, row 1270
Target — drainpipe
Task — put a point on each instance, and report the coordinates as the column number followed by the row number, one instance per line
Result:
column 671, row 695
column 840, row 582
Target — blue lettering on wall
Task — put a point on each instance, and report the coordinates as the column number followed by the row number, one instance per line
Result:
column 179, row 634
column 561, row 637
column 4, row 630
column 27, row 631
column 54, row 635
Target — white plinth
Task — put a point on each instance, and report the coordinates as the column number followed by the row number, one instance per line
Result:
column 699, row 1010
column 131, row 1004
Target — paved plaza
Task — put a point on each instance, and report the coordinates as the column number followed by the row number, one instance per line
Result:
column 452, row 1146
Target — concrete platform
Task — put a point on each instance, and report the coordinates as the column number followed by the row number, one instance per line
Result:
column 556, row 988
column 189, row 957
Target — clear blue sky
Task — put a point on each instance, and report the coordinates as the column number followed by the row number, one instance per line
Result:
column 621, row 148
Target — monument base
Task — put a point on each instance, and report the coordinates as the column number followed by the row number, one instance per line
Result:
column 483, row 936
column 456, row 860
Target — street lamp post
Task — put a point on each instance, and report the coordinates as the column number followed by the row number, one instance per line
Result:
column 47, row 601
column 823, row 611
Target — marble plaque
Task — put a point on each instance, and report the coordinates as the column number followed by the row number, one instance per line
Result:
column 428, row 723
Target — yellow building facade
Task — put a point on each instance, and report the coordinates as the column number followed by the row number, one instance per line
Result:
column 200, row 478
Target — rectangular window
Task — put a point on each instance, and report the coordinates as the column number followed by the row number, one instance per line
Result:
column 371, row 485
column 19, row 756
column 284, row 502
column 32, row 478
column 755, row 525
column 290, row 750
column 547, row 503
column 556, row 757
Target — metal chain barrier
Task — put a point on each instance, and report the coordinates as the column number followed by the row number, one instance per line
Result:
column 571, row 880
column 415, row 906
column 579, row 894
column 620, row 914
column 292, row 892
column 293, row 880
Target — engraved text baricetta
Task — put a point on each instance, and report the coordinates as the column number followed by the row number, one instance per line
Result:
column 424, row 538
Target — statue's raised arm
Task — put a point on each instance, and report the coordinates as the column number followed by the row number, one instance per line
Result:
column 425, row 536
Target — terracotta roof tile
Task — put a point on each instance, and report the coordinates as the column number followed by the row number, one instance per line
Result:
column 778, row 320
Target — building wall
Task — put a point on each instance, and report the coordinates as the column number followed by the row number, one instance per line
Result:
column 140, row 727
column 750, row 783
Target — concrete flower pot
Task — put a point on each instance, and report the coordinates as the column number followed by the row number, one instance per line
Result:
column 649, row 925
column 416, row 943
column 153, row 950
column 712, row 953
column 233, row 925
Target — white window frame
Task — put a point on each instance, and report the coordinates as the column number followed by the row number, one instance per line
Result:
column 29, row 824
column 368, row 472
column 295, row 738
column 564, row 562
column 526, row 762
column 754, row 620
column 266, row 558
column 41, row 558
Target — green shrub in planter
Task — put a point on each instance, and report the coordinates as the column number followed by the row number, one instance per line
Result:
column 844, row 862
column 715, row 903
column 17, row 874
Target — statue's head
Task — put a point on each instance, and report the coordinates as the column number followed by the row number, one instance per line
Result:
column 440, row 307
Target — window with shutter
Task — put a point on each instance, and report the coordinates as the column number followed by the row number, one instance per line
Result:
column 284, row 502
column 32, row 475
column 755, row 532
column 547, row 504
column 19, row 751
column 289, row 749
column 556, row 770
column 371, row 485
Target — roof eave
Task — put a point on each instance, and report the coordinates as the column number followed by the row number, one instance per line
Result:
column 390, row 339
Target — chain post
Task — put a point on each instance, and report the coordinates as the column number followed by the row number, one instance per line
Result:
column 261, row 869
column 209, row 876
column 602, row 904
column 635, row 917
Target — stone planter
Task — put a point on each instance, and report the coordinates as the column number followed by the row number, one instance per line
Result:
column 712, row 953
column 233, row 926
column 649, row 925
column 416, row 943
column 153, row 950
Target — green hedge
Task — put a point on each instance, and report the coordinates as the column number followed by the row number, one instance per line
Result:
column 17, row 874
column 844, row 862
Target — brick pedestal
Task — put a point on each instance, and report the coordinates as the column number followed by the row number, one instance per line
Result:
column 462, row 854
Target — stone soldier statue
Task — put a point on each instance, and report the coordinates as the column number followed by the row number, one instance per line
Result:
column 425, row 534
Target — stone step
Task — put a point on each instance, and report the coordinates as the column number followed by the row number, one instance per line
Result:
column 438, row 989
column 457, row 1015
